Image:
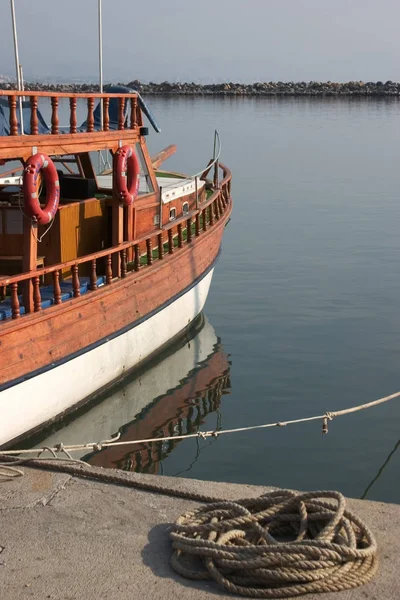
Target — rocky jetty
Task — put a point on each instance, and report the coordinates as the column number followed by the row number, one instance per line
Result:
column 271, row 88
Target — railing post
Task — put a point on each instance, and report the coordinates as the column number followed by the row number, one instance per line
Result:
column 75, row 281
column 56, row 286
column 189, row 230
column 15, row 312
column 136, row 262
column 204, row 218
column 123, row 264
column 54, row 115
column 37, row 300
column 121, row 113
column 216, row 208
column 90, row 117
column 197, row 225
column 93, row 276
column 170, row 241
column 149, row 252
column 72, row 115
column 12, row 101
column 211, row 214
column 133, row 112
column 160, row 246
column 109, row 275
column 106, row 115
column 34, row 117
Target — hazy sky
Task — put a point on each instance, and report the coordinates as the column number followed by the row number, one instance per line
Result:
column 206, row 40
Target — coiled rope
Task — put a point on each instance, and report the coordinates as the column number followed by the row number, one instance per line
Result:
column 279, row 545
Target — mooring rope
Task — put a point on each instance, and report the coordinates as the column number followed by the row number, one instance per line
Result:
column 97, row 446
column 278, row 545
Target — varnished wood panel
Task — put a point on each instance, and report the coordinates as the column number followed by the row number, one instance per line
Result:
column 38, row 339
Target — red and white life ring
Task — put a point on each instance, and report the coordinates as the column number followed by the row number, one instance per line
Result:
column 126, row 174
column 32, row 208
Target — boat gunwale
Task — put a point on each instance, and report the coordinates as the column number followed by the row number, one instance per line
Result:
column 5, row 281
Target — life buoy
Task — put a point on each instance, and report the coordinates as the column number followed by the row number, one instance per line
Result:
column 34, row 165
column 126, row 174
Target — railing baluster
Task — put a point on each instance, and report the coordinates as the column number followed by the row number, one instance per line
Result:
column 133, row 112
column 170, row 242
column 204, row 218
column 121, row 113
column 37, row 300
column 180, row 236
column 34, row 116
column 72, row 115
column 106, row 114
column 56, row 287
column 189, row 230
column 197, row 225
column 136, row 262
column 149, row 252
column 211, row 214
column 15, row 312
column 216, row 209
column 12, row 101
column 109, row 276
column 90, row 116
column 76, row 286
column 54, row 115
column 160, row 246
column 93, row 276
column 123, row 264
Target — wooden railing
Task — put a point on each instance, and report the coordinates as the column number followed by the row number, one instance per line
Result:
column 144, row 252
column 34, row 98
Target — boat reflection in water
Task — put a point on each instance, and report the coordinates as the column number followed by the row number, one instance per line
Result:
column 171, row 396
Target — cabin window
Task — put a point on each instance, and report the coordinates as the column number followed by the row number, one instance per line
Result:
column 172, row 214
column 185, row 208
column 146, row 185
column 156, row 219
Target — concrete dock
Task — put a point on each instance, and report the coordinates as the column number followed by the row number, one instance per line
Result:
column 67, row 538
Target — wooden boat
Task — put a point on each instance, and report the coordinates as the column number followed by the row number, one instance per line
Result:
column 94, row 280
column 174, row 393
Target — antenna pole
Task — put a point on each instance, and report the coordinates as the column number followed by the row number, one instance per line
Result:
column 100, row 61
column 17, row 65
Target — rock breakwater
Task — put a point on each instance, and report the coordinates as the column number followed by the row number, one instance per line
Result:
column 271, row 88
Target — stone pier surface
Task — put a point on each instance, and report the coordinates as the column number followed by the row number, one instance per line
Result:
column 69, row 538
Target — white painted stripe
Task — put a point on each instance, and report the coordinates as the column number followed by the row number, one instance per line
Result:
column 41, row 398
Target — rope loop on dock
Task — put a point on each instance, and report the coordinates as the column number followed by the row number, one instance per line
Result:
column 279, row 545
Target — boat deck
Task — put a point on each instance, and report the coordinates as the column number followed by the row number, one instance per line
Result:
column 172, row 187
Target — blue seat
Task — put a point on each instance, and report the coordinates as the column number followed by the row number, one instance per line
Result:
column 6, row 312
column 47, row 295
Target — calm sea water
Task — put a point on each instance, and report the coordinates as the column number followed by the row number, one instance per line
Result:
column 304, row 302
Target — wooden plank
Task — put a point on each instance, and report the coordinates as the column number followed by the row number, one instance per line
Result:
column 20, row 147
column 63, row 329
column 162, row 156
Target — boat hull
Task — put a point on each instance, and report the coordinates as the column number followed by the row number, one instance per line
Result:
column 31, row 403
column 54, row 360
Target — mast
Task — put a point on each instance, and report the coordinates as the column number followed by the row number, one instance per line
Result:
column 100, row 60
column 17, row 65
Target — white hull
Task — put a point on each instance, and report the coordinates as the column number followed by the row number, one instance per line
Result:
column 32, row 403
column 124, row 404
